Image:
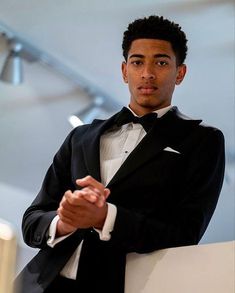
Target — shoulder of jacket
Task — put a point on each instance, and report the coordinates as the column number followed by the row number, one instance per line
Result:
column 209, row 128
column 201, row 124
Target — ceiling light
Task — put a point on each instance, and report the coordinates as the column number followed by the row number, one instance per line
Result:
column 12, row 71
column 88, row 114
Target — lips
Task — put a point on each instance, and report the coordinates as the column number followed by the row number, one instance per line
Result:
column 147, row 89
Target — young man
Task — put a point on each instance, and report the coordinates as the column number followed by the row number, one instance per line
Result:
column 145, row 179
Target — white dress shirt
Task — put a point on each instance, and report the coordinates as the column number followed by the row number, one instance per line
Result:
column 115, row 146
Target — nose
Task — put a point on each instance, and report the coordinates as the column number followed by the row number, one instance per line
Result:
column 148, row 73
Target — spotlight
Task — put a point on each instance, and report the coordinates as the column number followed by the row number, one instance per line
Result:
column 12, row 71
column 88, row 114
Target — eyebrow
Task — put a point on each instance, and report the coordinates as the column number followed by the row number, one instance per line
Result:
column 155, row 56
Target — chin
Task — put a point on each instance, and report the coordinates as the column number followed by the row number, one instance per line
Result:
column 148, row 102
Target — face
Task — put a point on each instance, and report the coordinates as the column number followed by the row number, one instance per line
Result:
column 151, row 73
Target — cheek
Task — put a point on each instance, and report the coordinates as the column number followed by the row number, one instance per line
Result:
column 131, row 88
column 168, row 81
column 131, row 80
column 169, row 87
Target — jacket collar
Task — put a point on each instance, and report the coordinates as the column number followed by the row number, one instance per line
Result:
column 91, row 145
column 168, row 131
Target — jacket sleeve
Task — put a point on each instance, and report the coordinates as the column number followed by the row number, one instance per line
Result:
column 38, row 216
column 184, row 224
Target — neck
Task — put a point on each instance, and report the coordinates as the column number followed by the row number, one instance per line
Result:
column 160, row 111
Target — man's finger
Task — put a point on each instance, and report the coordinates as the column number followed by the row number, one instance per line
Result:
column 73, row 197
column 65, row 212
column 90, row 181
column 106, row 193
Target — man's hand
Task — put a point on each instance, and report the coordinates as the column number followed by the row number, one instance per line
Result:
column 83, row 208
column 99, row 194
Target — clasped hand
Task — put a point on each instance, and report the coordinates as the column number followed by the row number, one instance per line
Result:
column 83, row 208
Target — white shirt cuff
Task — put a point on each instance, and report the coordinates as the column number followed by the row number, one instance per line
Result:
column 52, row 240
column 108, row 224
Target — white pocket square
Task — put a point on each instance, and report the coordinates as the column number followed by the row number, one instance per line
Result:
column 168, row 149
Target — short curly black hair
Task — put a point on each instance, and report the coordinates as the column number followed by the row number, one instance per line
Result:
column 156, row 27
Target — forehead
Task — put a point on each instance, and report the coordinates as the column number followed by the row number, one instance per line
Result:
column 150, row 47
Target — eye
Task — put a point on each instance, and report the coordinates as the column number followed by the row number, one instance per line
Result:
column 162, row 63
column 136, row 62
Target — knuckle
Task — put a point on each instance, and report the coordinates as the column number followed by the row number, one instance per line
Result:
column 98, row 191
column 72, row 200
column 67, row 194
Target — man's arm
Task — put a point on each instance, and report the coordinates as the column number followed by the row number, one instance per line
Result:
column 38, row 217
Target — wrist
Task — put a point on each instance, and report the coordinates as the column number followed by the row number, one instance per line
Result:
column 63, row 228
column 101, row 220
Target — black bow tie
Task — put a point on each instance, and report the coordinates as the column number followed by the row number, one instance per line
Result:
column 125, row 116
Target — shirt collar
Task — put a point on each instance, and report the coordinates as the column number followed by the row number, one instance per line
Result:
column 160, row 112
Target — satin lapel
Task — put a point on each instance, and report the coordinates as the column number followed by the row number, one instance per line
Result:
column 91, row 145
column 168, row 131
column 150, row 145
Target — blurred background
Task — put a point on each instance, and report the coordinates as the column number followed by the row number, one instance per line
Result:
column 63, row 58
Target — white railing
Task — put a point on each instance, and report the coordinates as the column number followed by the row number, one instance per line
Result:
column 205, row 268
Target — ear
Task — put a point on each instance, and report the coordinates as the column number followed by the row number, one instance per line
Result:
column 124, row 72
column 182, row 69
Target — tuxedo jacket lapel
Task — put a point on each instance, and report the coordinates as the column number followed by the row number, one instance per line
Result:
column 91, row 150
column 91, row 145
column 168, row 131
column 148, row 148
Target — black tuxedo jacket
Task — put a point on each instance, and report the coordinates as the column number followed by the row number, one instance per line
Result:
column 165, row 192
